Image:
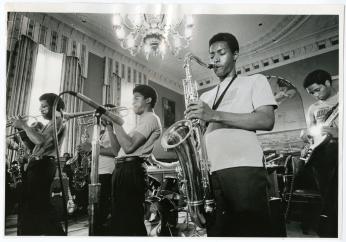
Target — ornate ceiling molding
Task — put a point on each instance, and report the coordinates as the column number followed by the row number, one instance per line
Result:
column 287, row 26
column 286, row 53
column 276, row 48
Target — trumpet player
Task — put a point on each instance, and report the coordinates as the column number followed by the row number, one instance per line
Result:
column 36, row 215
column 129, row 180
column 235, row 109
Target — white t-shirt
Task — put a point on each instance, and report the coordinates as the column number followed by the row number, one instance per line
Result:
column 318, row 110
column 229, row 147
column 106, row 163
column 149, row 126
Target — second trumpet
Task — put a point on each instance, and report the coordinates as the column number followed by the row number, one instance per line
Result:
column 119, row 111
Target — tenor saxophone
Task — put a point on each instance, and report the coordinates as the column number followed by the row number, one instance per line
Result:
column 185, row 137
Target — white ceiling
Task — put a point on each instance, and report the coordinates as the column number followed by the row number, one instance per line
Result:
column 254, row 33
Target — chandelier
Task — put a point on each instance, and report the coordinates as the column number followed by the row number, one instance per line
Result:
column 153, row 34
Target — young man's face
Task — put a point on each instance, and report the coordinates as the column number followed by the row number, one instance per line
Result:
column 221, row 55
column 319, row 91
column 139, row 103
column 45, row 110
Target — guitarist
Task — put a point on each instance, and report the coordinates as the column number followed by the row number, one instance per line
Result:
column 324, row 159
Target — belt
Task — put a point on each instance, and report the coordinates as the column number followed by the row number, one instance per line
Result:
column 45, row 157
column 130, row 159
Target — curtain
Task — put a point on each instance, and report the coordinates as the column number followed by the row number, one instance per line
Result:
column 71, row 81
column 20, row 72
column 111, row 84
column 19, row 78
column 49, row 35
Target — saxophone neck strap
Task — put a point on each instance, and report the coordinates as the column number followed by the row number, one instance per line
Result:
column 217, row 103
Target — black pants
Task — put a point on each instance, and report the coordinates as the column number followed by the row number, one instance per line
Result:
column 104, row 203
column 36, row 215
column 129, row 184
column 324, row 163
column 242, row 208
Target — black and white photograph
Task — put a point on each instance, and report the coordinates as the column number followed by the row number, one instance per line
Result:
column 172, row 120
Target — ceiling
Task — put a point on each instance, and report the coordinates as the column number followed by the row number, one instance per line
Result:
column 255, row 33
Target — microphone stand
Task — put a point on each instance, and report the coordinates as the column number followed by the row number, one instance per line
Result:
column 94, row 186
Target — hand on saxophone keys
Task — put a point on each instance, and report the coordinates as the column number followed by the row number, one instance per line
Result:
column 199, row 110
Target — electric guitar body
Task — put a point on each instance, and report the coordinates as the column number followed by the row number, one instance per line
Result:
column 319, row 140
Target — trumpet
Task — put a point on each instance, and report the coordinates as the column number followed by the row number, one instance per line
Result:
column 30, row 119
column 120, row 111
column 32, row 122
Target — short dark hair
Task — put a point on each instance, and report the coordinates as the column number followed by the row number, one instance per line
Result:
column 318, row 77
column 147, row 91
column 50, row 98
column 230, row 39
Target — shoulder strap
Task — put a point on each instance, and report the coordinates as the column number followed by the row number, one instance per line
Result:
column 216, row 105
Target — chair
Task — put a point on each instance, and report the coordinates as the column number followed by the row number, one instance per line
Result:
column 300, row 194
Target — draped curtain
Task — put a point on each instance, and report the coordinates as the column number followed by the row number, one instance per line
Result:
column 111, row 83
column 19, row 81
column 71, row 81
column 20, row 72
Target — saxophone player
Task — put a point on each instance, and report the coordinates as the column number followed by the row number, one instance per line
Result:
column 234, row 110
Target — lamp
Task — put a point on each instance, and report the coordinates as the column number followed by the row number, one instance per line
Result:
column 153, row 33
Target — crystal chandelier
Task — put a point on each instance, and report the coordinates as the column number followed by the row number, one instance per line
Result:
column 153, row 34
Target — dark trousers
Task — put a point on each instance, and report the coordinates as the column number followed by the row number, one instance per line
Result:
column 324, row 164
column 104, row 203
column 242, row 208
column 129, row 184
column 36, row 215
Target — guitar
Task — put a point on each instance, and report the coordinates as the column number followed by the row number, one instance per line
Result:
column 319, row 139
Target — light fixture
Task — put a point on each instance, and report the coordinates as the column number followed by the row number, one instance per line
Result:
column 153, row 34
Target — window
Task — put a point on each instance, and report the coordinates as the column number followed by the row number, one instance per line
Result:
column 47, row 78
column 335, row 41
column 117, row 68
column 42, row 35
column 134, row 76
column 321, row 46
column 64, row 43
